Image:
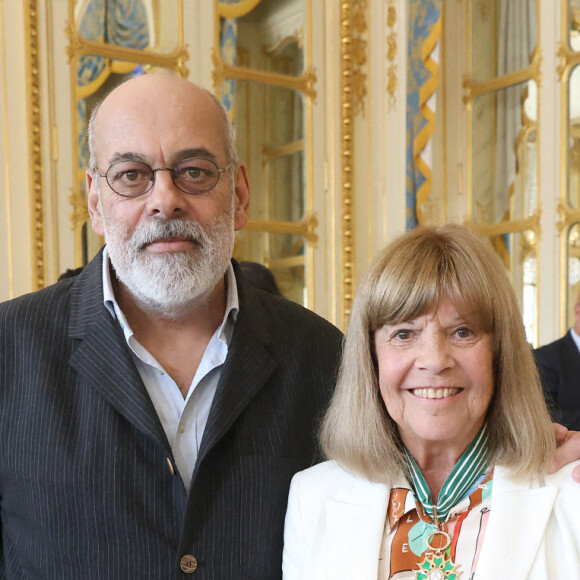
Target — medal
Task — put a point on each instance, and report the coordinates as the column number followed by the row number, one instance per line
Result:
column 436, row 564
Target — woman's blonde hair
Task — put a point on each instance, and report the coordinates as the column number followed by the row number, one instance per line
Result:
column 409, row 276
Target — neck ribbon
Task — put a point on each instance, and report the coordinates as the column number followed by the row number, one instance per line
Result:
column 471, row 465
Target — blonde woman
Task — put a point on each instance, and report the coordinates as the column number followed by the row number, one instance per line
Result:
column 438, row 436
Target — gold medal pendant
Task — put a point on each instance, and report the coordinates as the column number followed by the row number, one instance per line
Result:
column 436, row 564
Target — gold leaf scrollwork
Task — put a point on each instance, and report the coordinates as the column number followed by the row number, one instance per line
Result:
column 35, row 145
column 74, row 42
column 392, row 87
column 391, row 55
column 358, row 53
column 80, row 213
column 353, row 25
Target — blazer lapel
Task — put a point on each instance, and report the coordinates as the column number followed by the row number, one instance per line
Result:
column 517, row 522
column 248, row 366
column 355, row 532
column 571, row 355
column 103, row 358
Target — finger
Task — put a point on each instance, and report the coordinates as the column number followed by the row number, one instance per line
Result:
column 566, row 452
column 560, row 433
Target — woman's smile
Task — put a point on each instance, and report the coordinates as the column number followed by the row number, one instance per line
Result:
column 435, row 392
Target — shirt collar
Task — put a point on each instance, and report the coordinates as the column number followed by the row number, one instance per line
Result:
column 224, row 331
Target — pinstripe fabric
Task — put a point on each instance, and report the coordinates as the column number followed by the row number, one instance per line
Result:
column 85, row 488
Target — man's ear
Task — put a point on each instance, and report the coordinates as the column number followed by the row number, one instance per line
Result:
column 242, row 200
column 93, row 203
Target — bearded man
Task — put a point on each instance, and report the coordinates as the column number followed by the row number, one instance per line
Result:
column 154, row 408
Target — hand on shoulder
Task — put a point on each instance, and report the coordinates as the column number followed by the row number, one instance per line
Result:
column 568, row 450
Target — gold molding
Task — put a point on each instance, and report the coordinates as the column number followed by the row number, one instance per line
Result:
column 78, row 46
column 222, row 71
column 9, row 272
column 352, row 58
column 392, row 54
column 568, row 59
column 80, row 213
column 567, row 214
column 531, row 223
column 33, row 103
column 288, row 149
column 305, row 227
column 237, row 10
column 297, row 37
column 532, row 72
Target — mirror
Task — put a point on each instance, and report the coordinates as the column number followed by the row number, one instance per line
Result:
column 573, row 277
column 141, row 24
column 518, row 252
column 283, row 254
column 504, row 37
column 574, row 24
column 504, row 156
column 267, row 38
column 270, row 137
column 574, row 138
column 265, row 83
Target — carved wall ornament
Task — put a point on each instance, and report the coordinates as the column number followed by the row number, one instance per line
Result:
column 391, row 54
column 35, row 145
column 353, row 19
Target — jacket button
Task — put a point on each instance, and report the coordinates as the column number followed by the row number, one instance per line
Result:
column 188, row 564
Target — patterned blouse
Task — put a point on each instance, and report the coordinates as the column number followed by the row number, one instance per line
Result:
column 408, row 526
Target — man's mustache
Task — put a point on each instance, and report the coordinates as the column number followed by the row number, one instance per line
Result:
column 155, row 231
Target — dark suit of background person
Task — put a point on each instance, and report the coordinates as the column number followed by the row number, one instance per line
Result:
column 87, row 479
column 89, row 487
column 559, row 368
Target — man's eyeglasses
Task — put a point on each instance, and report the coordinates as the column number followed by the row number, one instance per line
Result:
column 193, row 176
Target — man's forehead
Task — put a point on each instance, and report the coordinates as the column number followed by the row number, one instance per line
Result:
column 151, row 130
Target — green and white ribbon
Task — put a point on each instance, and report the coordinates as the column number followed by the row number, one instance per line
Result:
column 471, row 465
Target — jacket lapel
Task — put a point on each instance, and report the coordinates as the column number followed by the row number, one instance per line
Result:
column 517, row 523
column 355, row 532
column 248, row 366
column 103, row 358
column 570, row 354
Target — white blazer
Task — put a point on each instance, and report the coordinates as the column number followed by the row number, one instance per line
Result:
column 335, row 522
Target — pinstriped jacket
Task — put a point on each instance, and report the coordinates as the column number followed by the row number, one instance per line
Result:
column 87, row 486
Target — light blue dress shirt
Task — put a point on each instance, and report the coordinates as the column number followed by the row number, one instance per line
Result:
column 183, row 420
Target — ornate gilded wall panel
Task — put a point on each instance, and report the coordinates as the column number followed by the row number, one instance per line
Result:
column 353, row 25
column 35, row 144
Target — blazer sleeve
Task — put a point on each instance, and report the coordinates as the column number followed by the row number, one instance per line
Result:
column 294, row 536
column 563, row 532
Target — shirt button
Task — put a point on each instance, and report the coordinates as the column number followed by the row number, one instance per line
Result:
column 182, row 427
column 188, row 564
column 170, row 465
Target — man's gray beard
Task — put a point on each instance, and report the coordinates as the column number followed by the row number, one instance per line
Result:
column 168, row 282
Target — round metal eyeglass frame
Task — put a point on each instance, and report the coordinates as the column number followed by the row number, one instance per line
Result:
column 174, row 176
